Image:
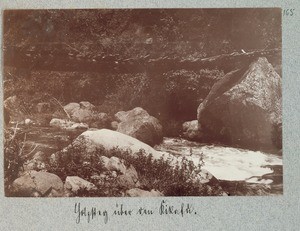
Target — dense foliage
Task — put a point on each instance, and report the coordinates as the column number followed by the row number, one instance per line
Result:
column 172, row 96
column 14, row 157
column 153, row 173
column 40, row 45
column 141, row 32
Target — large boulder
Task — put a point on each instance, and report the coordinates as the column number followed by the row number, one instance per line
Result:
column 97, row 139
column 139, row 124
column 244, row 107
column 110, row 141
column 38, row 184
column 192, row 130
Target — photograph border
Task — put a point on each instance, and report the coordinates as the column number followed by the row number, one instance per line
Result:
column 213, row 213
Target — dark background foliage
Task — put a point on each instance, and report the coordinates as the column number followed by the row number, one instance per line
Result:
column 105, row 56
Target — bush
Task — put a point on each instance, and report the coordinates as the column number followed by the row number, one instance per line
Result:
column 160, row 175
column 153, row 174
column 72, row 163
column 13, row 156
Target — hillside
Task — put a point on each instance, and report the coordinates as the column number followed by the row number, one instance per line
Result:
column 164, row 60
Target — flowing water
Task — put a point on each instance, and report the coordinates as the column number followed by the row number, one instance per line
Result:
column 232, row 165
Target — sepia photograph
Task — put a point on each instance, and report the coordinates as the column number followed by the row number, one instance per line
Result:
column 142, row 102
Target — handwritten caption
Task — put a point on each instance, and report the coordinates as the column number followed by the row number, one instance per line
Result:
column 88, row 214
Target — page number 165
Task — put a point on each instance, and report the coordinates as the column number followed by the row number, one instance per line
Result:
column 288, row 12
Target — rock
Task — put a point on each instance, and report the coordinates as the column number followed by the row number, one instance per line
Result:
column 84, row 112
column 114, row 125
column 28, row 122
column 92, row 140
column 136, row 192
column 86, row 105
column 104, row 161
column 149, row 41
column 80, row 112
column 76, row 126
column 82, row 115
column 111, row 141
column 207, row 178
column 43, row 107
column 137, row 112
column 139, row 124
column 41, row 184
column 60, row 123
column 114, row 174
column 75, row 183
column 34, row 164
column 71, row 108
column 191, row 130
column 67, row 125
column 129, row 179
column 115, row 164
column 244, row 107
column 96, row 177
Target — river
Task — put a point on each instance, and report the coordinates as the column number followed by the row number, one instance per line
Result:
column 232, row 166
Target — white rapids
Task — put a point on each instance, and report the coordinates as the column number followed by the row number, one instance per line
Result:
column 225, row 163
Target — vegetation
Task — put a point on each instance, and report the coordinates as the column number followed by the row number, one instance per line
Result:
column 157, row 32
column 46, row 58
column 172, row 97
column 14, row 157
column 118, row 60
column 153, row 174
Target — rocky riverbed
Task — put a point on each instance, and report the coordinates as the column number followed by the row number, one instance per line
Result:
column 240, row 171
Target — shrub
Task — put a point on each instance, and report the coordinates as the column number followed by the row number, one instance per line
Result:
column 75, row 163
column 160, row 175
column 13, row 156
column 153, row 173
